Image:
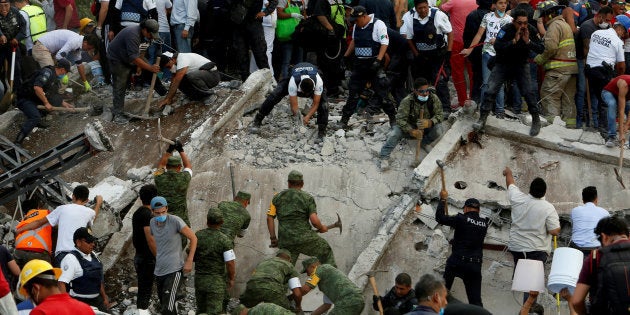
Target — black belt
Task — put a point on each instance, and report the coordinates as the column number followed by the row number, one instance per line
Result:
column 469, row 259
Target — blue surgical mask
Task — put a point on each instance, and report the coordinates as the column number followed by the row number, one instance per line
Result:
column 500, row 13
column 161, row 218
column 422, row 98
column 60, row 77
column 442, row 311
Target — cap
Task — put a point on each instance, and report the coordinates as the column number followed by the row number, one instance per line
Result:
column 472, row 202
column 83, row 234
column 152, row 27
column 624, row 20
column 545, row 6
column 308, row 262
column 283, row 251
column 174, row 161
column 83, row 23
column 238, row 310
column 215, row 216
column 295, row 175
column 158, row 202
column 357, row 12
column 243, row 195
column 63, row 63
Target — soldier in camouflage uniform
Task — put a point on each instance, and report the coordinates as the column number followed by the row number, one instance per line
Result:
column 408, row 122
column 214, row 255
column 337, row 288
column 270, row 280
column 235, row 216
column 172, row 182
column 262, row 309
column 296, row 211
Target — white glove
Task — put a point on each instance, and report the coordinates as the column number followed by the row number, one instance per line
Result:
column 297, row 16
column 98, row 33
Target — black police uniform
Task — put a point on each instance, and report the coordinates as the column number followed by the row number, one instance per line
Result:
column 467, row 250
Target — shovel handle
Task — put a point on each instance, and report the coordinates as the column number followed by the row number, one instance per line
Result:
column 378, row 303
column 65, row 109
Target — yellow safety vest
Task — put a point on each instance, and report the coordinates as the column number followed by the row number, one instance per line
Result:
column 37, row 21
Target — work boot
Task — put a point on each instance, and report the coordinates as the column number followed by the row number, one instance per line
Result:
column 344, row 123
column 535, row 125
column 20, row 138
column 481, row 123
column 392, row 121
column 256, row 124
column 121, row 119
column 321, row 131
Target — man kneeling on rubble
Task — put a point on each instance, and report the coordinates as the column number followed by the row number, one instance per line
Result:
column 195, row 76
column 419, row 116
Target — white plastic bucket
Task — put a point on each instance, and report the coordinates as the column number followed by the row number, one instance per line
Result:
column 565, row 269
column 529, row 276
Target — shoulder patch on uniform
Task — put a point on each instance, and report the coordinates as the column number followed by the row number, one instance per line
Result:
column 501, row 34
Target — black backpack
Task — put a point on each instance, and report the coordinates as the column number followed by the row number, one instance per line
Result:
column 612, row 293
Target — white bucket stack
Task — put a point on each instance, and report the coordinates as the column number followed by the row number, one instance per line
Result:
column 565, row 269
column 529, row 276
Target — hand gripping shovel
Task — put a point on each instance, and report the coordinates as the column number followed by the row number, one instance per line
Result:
column 7, row 99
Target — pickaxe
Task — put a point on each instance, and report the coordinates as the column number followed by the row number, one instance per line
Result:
column 441, row 166
column 337, row 224
column 370, row 275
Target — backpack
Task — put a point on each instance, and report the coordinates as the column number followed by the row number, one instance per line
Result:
column 612, row 293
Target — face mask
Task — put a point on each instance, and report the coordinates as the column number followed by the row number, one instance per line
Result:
column 422, row 98
column 500, row 13
column 161, row 218
column 603, row 25
column 442, row 311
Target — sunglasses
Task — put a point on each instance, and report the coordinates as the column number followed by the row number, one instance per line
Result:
column 422, row 91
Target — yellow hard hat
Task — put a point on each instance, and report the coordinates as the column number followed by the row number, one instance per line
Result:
column 84, row 22
column 33, row 269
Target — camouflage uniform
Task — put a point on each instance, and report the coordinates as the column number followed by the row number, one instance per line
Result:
column 345, row 295
column 173, row 186
column 210, row 273
column 269, row 309
column 235, row 218
column 269, row 283
column 293, row 208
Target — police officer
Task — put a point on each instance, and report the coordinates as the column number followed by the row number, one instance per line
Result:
column 172, row 182
column 235, row 216
column 369, row 45
column 214, row 256
column 305, row 81
column 430, row 37
column 467, row 253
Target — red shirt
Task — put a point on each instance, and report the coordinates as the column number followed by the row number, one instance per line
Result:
column 458, row 10
column 588, row 274
column 4, row 285
column 62, row 304
column 612, row 85
column 60, row 13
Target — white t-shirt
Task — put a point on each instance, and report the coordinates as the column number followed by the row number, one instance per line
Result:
column 71, row 269
column 493, row 24
column 531, row 219
column 68, row 218
column 317, row 89
column 28, row 41
column 441, row 22
column 605, row 46
column 191, row 60
column 584, row 219
column 63, row 44
column 162, row 6
column 379, row 33
column 626, row 45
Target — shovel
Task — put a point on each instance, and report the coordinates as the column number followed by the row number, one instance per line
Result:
column 618, row 169
column 7, row 99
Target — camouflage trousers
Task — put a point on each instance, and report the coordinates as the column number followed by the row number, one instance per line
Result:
column 314, row 247
column 350, row 305
column 210, row 294
column 257, row 292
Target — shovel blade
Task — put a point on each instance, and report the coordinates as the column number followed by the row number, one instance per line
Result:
column 6, row 102
column 619, row 178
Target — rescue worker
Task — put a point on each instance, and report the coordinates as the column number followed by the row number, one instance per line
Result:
column 82, row 272
column 467, row 252
column 41, row 88
column 12, row 31
column 305, row 81
column 513, row 44
column 400, row 299
column 172, row 181
column 144, row 244
column 261, row 309
column 421, row 102
column 195, row 75
column 35, row 22
column 269, row 282
column 296, row 212
column 33, row 244
column 431, row 294
column 430, row 37
column 369, row 45
column 615, row 96
column 337, row 288
column 215, row 266
column 235, row 216
column 559, row 60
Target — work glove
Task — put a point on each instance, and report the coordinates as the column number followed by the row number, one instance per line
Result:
column 425, row 123
column 87, row 86
column 376, row 65
column 64, row 80
column 375, row 299
column 297, row 16
column 171, row 148
column 415, row 133
column 99, row 32
column 179, row 146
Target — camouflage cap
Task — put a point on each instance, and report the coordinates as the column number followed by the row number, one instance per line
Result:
column 283, row 251
column 295, row 175
column 243, row 195
column 238, row 309
column 307, row 262
column 174, row 161
column 215, row 216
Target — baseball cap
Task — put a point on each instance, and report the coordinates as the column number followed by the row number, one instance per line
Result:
column 243, row 195
column 174, row 161
column 357, row 12
column 64, row 63
column 472, row 202
column 152, row 27
column 158, row 202
column 283, row 251
column 83, row 234
column 624, row 20
column 308, row 262
column 295, row 175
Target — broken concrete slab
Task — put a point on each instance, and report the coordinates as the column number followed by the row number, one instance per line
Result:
column 139, row 174
column 115, row 191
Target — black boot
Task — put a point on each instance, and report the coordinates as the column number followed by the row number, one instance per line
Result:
column 481, row 123
column 344, row 123
column 256, row 124
column 20, row 138
column 535, row 125
column 392, row 121
column 321, row 131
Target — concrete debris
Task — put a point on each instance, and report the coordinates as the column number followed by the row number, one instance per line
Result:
column 115, row 191
column 438, row 245
column 139, row 174
column 167, row 110
column 549, row 166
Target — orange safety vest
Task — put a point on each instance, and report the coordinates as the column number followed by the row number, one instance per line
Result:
column 39, row 239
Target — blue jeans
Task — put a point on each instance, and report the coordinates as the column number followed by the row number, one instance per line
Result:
column 611, row 100
column 485, row 72
column 183, row 45
column 33, row 115
column 394, row 136
column 580, row 95
column 533, row 84
column 289, row 52
column 502, row 73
